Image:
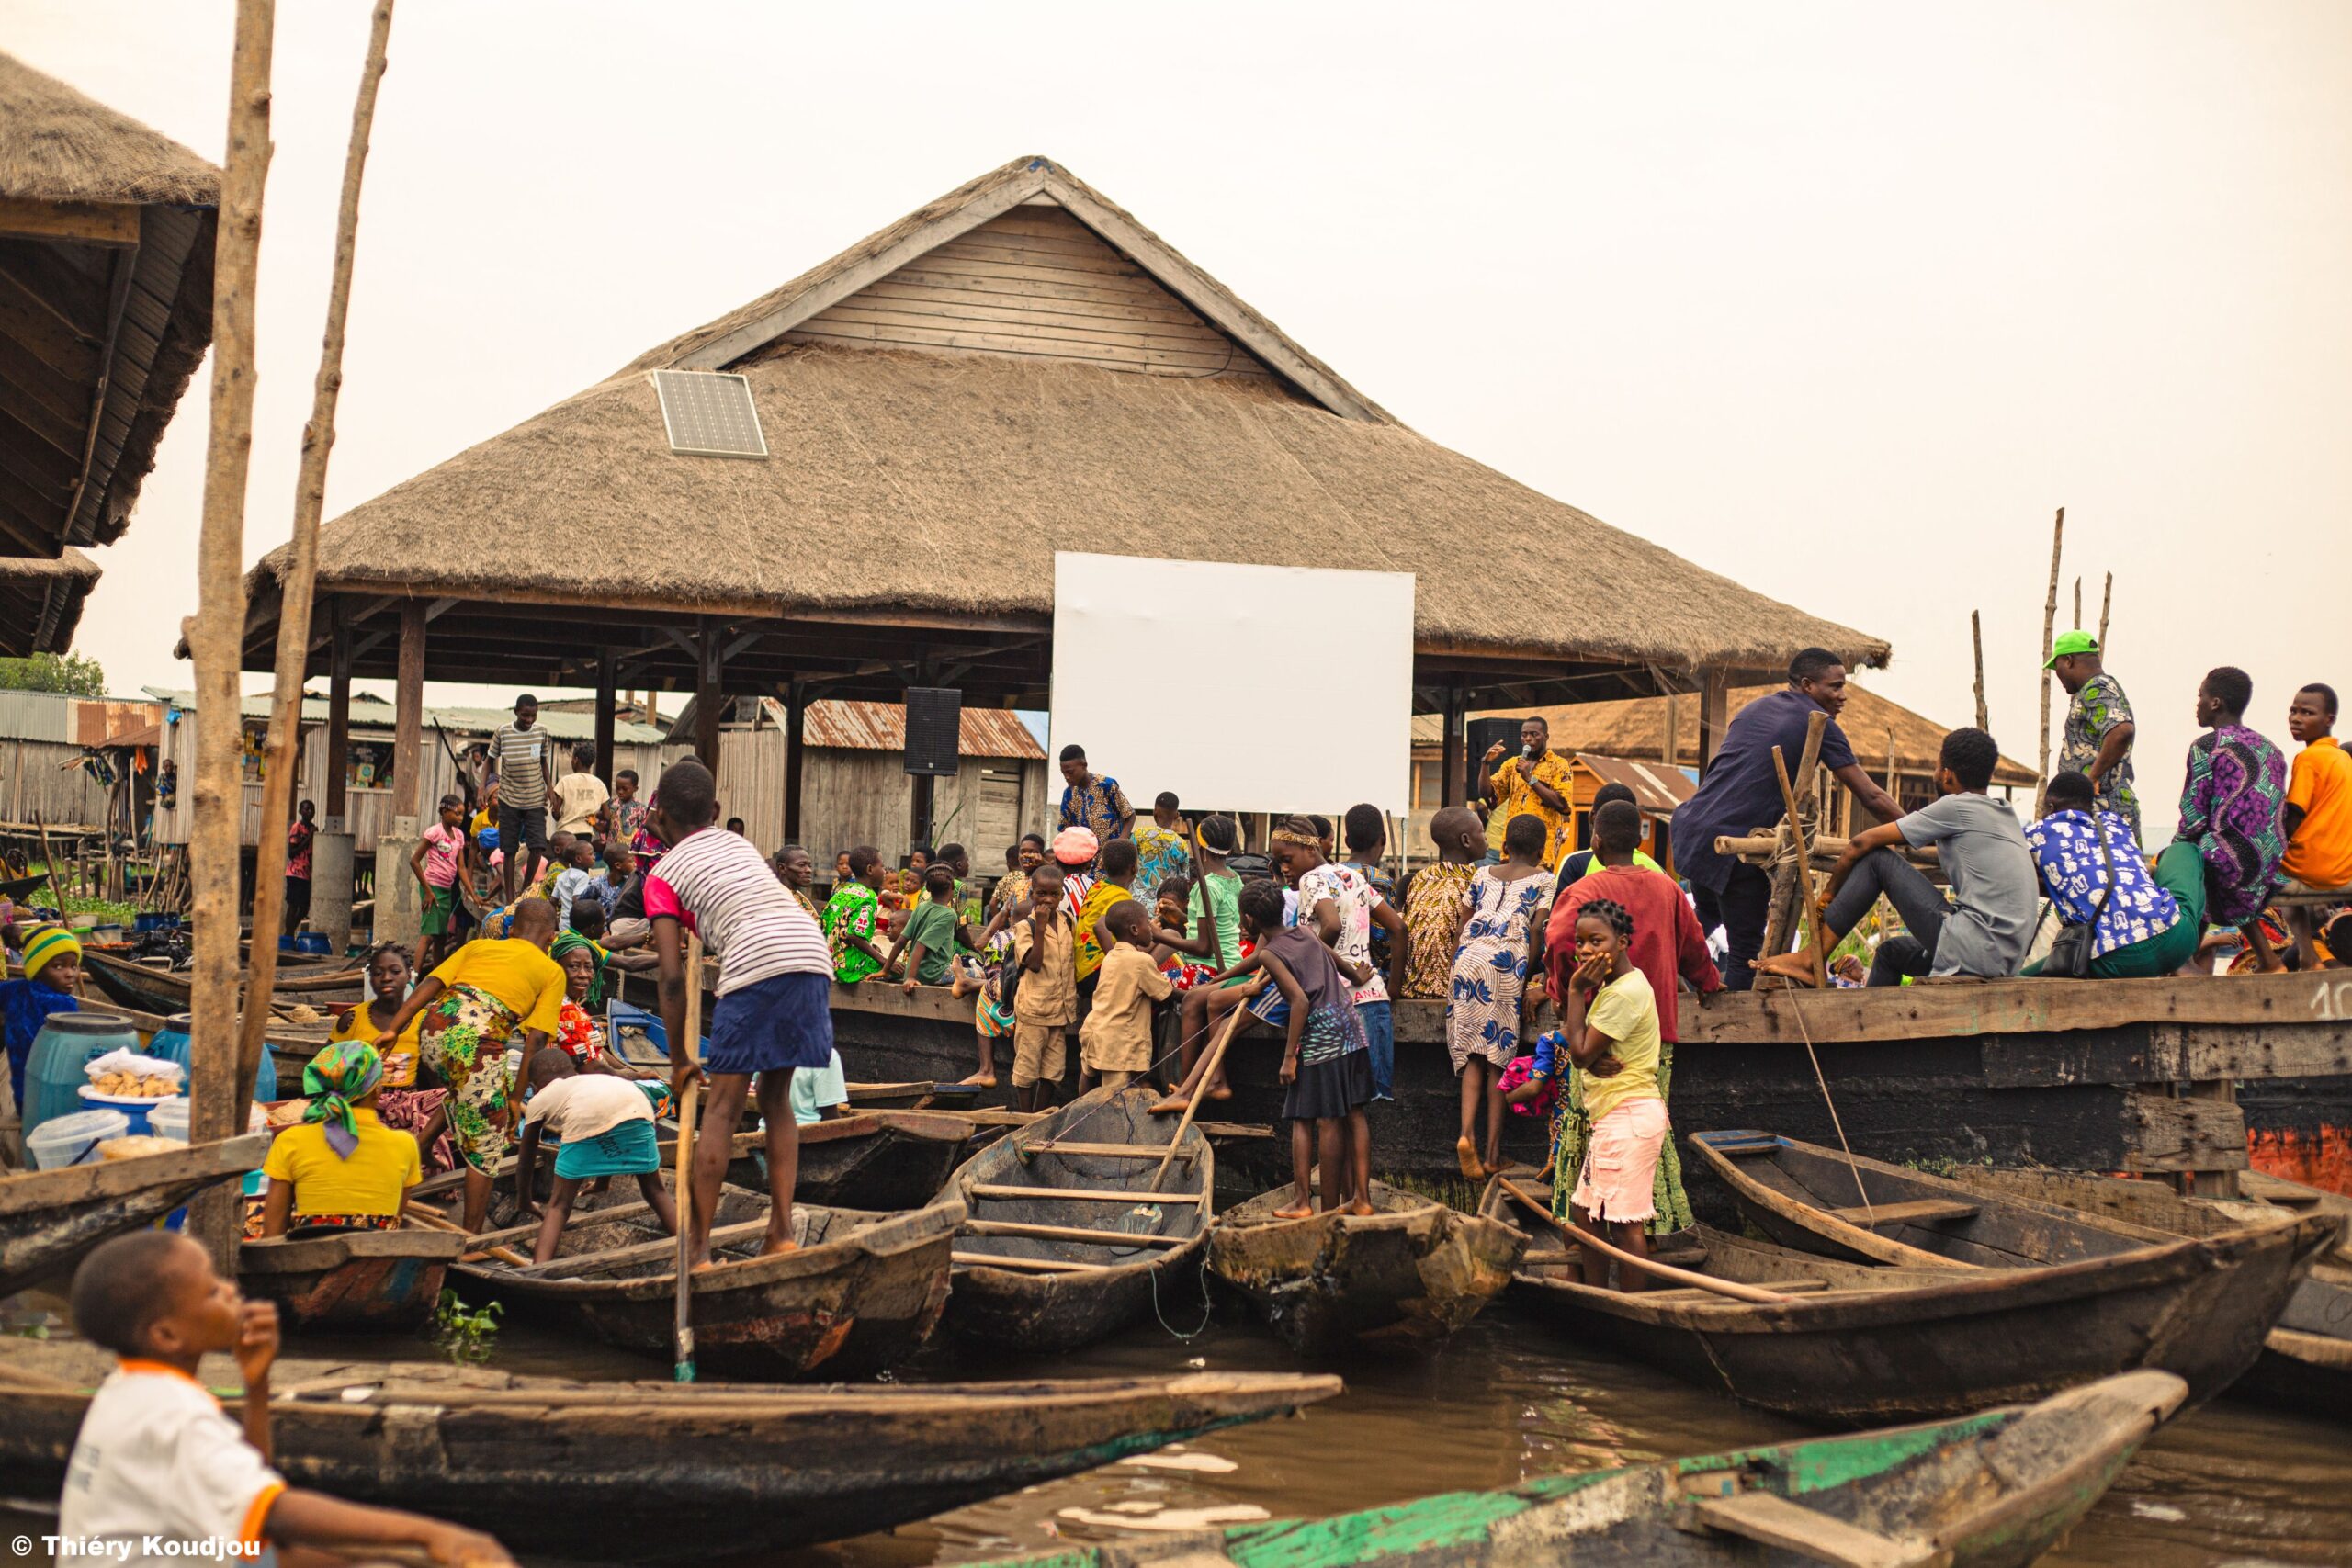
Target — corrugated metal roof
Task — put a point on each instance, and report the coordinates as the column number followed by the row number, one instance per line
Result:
column 882, row 727
column 1658, row 789
column 373, row 713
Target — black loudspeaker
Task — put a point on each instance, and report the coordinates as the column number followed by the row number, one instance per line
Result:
column 934, row 721
column 1484, row 732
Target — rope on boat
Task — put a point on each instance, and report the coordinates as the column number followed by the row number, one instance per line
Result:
column 1797, row 1013
column 1208, row 1308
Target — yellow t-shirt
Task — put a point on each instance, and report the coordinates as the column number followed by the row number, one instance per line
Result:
column 516, row 972
column 1627, row 1012
column 371, row 1182
column 400, row 1062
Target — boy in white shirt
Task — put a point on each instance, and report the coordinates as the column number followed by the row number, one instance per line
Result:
column 158, row 1458
column 605, row 1122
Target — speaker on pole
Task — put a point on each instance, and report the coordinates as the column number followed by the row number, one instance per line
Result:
column 935, row 722
column 1484, row 732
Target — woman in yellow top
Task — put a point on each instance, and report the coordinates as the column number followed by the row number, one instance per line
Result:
column 402, row 1102
column 341, row 1169
column 1609, row 1021
column 487, row 991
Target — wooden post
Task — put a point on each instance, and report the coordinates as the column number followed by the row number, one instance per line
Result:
column 1976, row 631
column 294, row 599
column 336, row 807
column 1714, row 715
column 606, row 697
column 216, row 633
column 708, row 699
column 796, row 709
column 1670, row 744
column 2105, row 598
column 2049, row 634
column 408, row 718
column 1789, row 879
column 2079, row 603
column 1453, row 784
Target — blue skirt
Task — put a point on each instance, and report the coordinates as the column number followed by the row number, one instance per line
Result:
column 785, row 1021
column 629, row 1149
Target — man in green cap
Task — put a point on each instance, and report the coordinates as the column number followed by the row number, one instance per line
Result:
column 2098, row 742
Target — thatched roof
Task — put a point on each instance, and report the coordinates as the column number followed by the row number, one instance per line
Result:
column 40, row 603
column 1636, row 729
column 940, row 483
column 57, row 144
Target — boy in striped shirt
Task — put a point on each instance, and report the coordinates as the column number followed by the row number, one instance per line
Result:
column 526, row 770
column 774, row 1014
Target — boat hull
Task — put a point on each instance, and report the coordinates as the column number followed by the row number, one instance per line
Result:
column 49, row 1218
column 1406, row 1277
column 358, row 1282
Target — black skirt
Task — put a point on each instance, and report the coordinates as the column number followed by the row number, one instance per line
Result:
column 1329, row 1089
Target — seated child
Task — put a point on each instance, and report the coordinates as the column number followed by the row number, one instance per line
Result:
column 52, row 970
column 157, row 1456
column 605, row 1125
column 341, row 1169
column 983, row 975
column 1609, row 1021
column 926, row 944
column 1115, row 1042
column 1171, row 921
column 820, row 1094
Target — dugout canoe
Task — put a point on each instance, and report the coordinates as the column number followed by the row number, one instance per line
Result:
column 1405, row 1276
column 49, row 1218
column 764, row 1469
column 1859, row 1344
column 1041, row 1263
column 1993, row 1490
column 349, row 1281
column 150, row 988
column 2306, row 1360
column 862, row 1292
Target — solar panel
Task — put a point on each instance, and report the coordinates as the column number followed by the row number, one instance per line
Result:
column 709, row 415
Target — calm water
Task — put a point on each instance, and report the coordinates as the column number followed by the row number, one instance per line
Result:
column 1509, row 1399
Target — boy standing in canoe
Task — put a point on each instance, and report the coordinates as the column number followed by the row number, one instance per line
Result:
column 774, row 1014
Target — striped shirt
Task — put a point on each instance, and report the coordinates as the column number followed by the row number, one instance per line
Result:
column 522, row 769
column 718, row 885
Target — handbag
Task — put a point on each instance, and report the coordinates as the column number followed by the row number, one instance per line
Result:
column 2070, row 953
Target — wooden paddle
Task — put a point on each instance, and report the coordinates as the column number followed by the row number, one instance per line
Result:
column 417, row 1214
column 691, row 1046
column 1193, row 1105
column 1731, row 1288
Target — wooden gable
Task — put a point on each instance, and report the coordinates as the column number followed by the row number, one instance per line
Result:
column 1035, row 282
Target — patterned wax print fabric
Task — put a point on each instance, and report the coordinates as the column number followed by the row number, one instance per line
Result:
column 1515, row 797
column 1432, row 909
column 2074, row 874
column 1490, row 972
column 1572, row 1132
column 466, row 1050
column 298, row 850
column 1092, row 943
column 2230, row 809
column 1344, row 887
column 1161, row 853
column 628, row 815
column 1099, row 806
column 2095, row 711
column 851, row 911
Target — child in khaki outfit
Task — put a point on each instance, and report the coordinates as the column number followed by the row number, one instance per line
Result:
column 1045, row 1001
column 1114, row 1042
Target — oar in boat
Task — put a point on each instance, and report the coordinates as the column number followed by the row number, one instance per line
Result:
column 1193, row 1105
column 1731, row 1288
column 432, row 1220
column 685, row 1206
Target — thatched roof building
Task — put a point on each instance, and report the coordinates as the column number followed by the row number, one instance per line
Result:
column 106, row 307
column 40, row 603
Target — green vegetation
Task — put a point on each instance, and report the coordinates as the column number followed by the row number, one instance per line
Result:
column 466, row 1335
column 71, row 674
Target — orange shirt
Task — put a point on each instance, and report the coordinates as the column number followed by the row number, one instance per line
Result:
column 2320, row 854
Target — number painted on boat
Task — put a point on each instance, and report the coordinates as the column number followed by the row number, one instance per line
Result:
column 2333, row 1000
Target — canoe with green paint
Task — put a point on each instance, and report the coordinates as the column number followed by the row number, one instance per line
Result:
column 1992, row 1490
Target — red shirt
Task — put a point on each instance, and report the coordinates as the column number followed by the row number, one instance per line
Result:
column 1667, row 937
column 298, row 850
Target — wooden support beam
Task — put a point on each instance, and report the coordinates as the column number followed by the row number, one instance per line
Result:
column 338, row 723
column 113, row 223
column 1453, row 781
column 126, row 268
column 408, row 716
column 709, row 712
column 795, row 711
column 606, row 694
column 1714, row 715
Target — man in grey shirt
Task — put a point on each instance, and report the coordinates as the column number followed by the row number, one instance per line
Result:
column 1983, row 928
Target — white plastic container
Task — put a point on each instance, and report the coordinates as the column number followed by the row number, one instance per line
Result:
column 168, row 1119
column 72, row 1139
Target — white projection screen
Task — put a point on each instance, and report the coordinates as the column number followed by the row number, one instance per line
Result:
column 1241, row 688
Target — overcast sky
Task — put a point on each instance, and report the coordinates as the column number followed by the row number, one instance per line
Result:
column 1841, row 301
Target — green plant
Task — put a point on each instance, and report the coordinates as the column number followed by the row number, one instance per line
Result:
column 72, row 674
column 464, row 1334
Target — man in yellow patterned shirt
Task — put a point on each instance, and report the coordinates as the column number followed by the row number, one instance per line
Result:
column 1536, row 783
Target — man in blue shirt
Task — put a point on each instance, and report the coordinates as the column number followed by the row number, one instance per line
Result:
column 2146, row 925
column 1741, row 794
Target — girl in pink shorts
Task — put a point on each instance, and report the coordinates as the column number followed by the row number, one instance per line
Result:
column 1610, row 1022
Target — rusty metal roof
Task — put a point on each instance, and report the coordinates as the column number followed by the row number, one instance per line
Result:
column 882, row 727
column 1658, row 789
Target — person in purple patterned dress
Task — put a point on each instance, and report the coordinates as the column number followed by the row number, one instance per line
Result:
column 2231, row 808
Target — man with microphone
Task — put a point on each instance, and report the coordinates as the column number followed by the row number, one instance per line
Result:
column 1535, row 783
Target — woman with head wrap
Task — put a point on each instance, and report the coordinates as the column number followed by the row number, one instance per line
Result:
column 400, row 1101
column 52, row 968
column 341, row 1169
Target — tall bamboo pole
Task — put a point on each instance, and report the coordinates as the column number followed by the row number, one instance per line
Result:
column 2077, row 622
column 302, row 576
column 2049, row 632
column 216, row 632
column 2105, row 598
column 1976, row 630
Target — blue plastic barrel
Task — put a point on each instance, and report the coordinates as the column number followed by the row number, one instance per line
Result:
column 313, row 945
column 171, row 1043
column 67, row 1043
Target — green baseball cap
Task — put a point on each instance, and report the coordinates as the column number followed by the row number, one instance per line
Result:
column 2070, row 643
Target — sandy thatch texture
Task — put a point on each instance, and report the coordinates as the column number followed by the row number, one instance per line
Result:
column 40, row 603
column 57, row 144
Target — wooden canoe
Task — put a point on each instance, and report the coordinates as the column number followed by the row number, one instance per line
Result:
column 1859, row 1344
column 349, row 1281
column 2306, row 1361
column 1406, row 1276
column 1993, row 1490
column 862, row 1292
column 153, row 988
column 49, row 1218
column 1025, row 1289
column 765, row 1468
